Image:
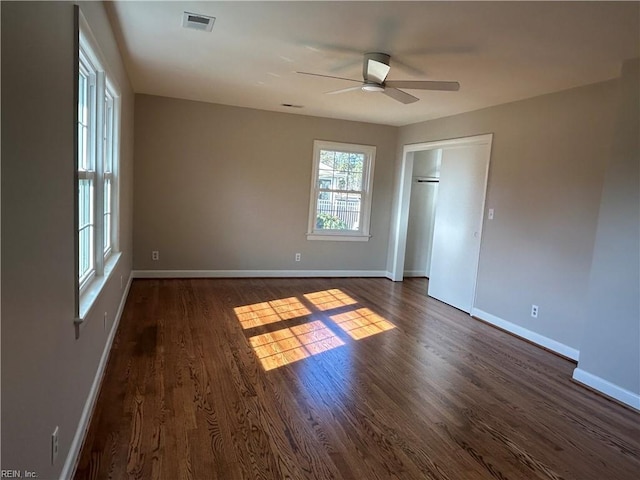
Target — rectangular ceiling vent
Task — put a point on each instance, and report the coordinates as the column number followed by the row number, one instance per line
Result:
column 197, row 21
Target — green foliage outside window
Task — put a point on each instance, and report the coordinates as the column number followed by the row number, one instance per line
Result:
column 327, row 221
column 344, row 168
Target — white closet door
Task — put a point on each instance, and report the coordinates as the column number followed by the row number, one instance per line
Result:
column 458, row 225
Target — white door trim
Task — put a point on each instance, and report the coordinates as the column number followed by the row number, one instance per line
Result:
column 399, row 230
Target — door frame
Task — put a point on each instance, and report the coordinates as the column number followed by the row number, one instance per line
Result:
column 399, row 229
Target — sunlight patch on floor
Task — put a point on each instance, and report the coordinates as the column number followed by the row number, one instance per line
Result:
column 289, row 345
column 264, row 313
column 361, row 323
column 329, row 299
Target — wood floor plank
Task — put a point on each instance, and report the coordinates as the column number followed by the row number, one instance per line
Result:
column 339, row 379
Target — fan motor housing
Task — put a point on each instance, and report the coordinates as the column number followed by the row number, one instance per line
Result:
column 378, row 57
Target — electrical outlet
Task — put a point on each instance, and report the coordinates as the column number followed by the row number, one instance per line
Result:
column 298, row 256
column 155, row 255
column 534, row 311
column 105, row 320
column 54, row 446
column 121, row 282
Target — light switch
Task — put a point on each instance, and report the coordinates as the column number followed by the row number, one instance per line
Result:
column 491, row 214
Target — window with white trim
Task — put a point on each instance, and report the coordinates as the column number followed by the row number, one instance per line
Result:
column 108, row 144
column 86, row 169
column 341, row 188
column 98, row 120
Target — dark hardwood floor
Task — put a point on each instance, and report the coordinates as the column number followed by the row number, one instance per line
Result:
column 339, row 378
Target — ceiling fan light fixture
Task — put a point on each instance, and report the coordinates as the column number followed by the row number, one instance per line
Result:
column 372, row 87
column 375, row 69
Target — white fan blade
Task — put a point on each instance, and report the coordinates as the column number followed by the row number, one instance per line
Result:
column 345, row 65
column 399, row 95
column 350, row 89
column 329, row 76
column 424, row 85
column 408, row 68
column 376, row 71
column 327, row 47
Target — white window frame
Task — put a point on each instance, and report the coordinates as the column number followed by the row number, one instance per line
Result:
column 110, row 168
column 87, row 165
column 103, row 147
column 362, row 234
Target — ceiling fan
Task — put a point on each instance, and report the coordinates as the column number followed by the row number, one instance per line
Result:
column 375, row 69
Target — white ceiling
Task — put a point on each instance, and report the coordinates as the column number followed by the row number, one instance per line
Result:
column 498, row 51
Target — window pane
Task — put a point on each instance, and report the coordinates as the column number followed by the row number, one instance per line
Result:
column 82, row 97
column 107, row 214
column 108, row 133
column 85, row 223
column 340, row 170
column 84, row 153
column 107, row 232
column 356, row 162
column 107, row 195
column 83, row 119
column 355, row 168
column 85, row 202
column 86, row 253
column 338, row 211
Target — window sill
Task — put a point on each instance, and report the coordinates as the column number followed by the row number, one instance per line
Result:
column 332, row 237
column 92, row 292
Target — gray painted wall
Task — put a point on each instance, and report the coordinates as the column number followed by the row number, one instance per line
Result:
column 227, row 188
column 610, row 347
column 46, row 372
column 545, row 180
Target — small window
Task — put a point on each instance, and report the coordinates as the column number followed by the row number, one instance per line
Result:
column 340, row 205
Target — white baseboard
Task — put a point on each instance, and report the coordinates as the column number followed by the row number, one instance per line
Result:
column 256, row 273
column 610, row 389
column 71, row 461
column 415, row 273
column 548, row 343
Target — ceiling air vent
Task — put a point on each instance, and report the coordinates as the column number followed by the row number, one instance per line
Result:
column 197, row 21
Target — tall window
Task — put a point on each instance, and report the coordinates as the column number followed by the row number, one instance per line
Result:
column 108, row 141
column 340, row 206
column 86, row 169
column 98, row 118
